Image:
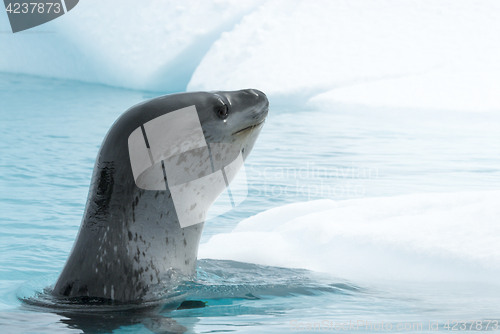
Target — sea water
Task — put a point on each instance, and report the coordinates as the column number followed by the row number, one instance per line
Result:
column 50, row 134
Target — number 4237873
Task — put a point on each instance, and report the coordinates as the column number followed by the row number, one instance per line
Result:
column 33, row 7
column 476, row 325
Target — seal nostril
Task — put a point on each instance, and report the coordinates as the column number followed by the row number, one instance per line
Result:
column 253, row 92
column 257, row 93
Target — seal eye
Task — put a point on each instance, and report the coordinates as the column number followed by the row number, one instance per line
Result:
column 222, row 112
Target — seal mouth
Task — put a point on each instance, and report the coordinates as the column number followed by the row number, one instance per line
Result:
column 249, row 127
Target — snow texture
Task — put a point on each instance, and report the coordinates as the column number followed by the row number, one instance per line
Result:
column 439, row 55
column 424, row 237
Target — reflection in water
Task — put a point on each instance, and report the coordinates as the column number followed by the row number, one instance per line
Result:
column 102, row 316
column 226, row 287
column 106, row 323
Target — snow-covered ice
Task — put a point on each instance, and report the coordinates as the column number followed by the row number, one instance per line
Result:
column 439, row 54
column 424, row 237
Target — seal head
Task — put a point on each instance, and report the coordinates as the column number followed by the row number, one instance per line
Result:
column 159, row 169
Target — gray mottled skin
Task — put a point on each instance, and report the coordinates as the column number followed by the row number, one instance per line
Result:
column 130, row 240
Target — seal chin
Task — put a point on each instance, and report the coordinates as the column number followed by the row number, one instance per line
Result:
column 249, row 128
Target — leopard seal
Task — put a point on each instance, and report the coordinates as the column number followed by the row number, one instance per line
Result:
column 160, row 167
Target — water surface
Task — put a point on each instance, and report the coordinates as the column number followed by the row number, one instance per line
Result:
column 50, row 134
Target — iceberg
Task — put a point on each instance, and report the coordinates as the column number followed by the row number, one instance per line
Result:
column 154, row 45
column 418, row 237
column 438, row 55
column 414, row 54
